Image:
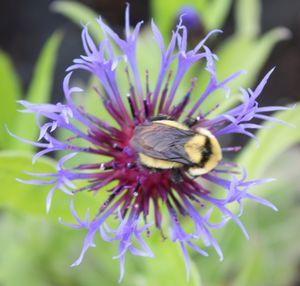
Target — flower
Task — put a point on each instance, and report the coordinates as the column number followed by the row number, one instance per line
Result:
column 192, row 21
column 191, row 18
column 137, row 194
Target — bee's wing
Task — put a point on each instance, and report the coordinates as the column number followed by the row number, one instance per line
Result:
column 162, row 142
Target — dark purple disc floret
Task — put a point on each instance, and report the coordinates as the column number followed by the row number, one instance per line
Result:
column 139, row 195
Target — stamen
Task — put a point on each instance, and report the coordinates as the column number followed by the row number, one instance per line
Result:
column 103, row 98
column 125, row 207
column 69, row 139
column 101, row 166
column 146, row 223
column 228, row 164
column 110, row 107
column 133, row 100
column 135, row 193
column 114, row 112
column 212, row 110
column 95, row 186
column 148, row 93
column 130, row 165
column 226, row 171
column 146, row 107
column 177, row 110
column 149, row 108
column 172, row 211
column 232, row 149
column 116, row 191
column 164, row 93
column 131, row 106
column 128, row 77
column 137, row 187
column 117, row 147
column 179, row 206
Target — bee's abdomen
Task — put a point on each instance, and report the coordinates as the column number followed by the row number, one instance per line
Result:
column 206, row 152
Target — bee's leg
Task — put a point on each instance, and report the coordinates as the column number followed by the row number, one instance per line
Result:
column 190, row 122
column 176, row 176
column 161, row 117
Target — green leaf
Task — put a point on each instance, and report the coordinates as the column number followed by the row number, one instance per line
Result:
column 39, row 91
column 79, row 14
column 272, row 143
column 10, row 92
column 41, row 84
column 31, row 199
column 252, row 272
column 247, row 15
column 242, row 53
column 17, row 253
column 215, row 13
column 168, row 254
column 212, row 13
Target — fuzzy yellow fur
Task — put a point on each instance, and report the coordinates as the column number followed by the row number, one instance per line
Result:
column 157, row 163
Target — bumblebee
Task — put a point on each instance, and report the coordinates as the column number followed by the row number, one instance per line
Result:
column 168, row 144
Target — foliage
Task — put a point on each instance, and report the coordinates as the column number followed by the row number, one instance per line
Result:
column 79, row 14
column 10, row 92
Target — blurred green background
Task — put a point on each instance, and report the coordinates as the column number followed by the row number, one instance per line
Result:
column 38, row 41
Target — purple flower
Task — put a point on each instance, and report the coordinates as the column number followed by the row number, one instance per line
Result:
column 192, row 21
column 191, row 18
column 136, row 195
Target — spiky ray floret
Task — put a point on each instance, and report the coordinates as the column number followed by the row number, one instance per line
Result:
column 139, row 193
